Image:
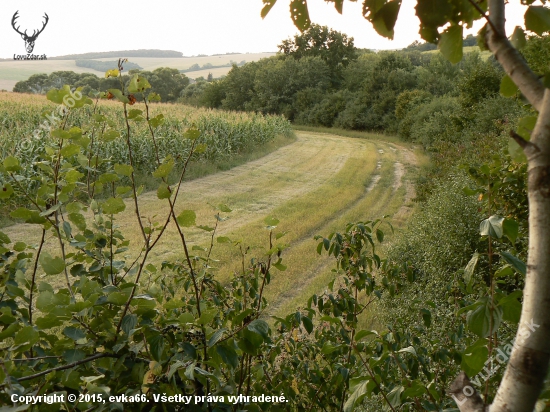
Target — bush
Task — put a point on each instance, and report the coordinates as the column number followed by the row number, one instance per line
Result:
column 438, row 242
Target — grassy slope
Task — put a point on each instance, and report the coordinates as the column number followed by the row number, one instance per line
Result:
column 314, row 185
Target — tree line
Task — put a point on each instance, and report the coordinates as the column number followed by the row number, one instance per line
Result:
column 167, row 82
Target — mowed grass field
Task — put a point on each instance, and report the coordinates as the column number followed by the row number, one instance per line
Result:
column 11, row 71
column 314, row 185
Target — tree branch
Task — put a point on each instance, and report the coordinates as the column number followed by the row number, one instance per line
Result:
column 511, row 61
column 68, row 366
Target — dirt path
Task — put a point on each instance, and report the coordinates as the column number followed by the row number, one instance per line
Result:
column 314, row 185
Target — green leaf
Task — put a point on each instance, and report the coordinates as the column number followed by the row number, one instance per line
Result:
column 271, row 221
column 216, row 336
column 363, row 334
column 156, row 121
column 416, row 388
column 186, row 218
column 511, row 307
column 492, row 227
column 359, row 392
column 73, row 355
column 73, row 176
column 112, row 73
column 29, row 216
column 70, row 150
column 156, row 345
column 45, row 301
column 11, row 164
column 516, row 152
column 61, row 134
column 190, row 372
column 49, row 321
column 384, row 19
column 164, row 169
column 74, row 333
column 483, row 317
column 163, row 191
column 110, row 135
column 6, row 190
column 513, row 261
column 260, row 327
column 426, row 317
column 138, row 84
column 27, row 335
column 108, row 178
column 122, row 190
column 78, row 220
column 394, row 396
column 338, row 5
column 379, row 235
column 224, row 208
column 526, row 126
column 510, row 228
column 117, row 298
column 113, row 205
column 4, row 239
column 474, row 357
column 228, row 355
column 507, row 87
column 300, row 14
column 200, row 148
column 129, row 322
column 537, row 19
column 268, row 4
column 518, row 38
column 223, row 239
column 450, row 43
column 56, row 96
column 153, row 97
column 52, row 266
column 125, row 170
column 135, row 114
column 279, row 266
column 118, row 94
column 192, row 133
column 408, row 349
column 308, row 324
column 207, row 316
column 470, row 268
column 186, row 318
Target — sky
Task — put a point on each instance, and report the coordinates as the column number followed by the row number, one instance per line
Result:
column 190, row 26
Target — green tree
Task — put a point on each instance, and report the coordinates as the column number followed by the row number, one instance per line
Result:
column 239, row 86
column 334, row 48
column 537, row 53
column 167, row 82
column 278, row 81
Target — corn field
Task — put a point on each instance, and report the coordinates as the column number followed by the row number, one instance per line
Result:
column 223, row 133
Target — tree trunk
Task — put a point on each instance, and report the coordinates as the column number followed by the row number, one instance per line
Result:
column 525, row 373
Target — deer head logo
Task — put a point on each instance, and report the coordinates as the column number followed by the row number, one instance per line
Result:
column 29, row 40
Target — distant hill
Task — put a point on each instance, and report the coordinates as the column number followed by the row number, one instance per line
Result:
column 120, row 53
column 102, row 66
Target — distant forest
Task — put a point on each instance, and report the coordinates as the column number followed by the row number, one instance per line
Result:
column 207, row 66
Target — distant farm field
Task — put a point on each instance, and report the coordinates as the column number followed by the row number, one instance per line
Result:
column 12, row 71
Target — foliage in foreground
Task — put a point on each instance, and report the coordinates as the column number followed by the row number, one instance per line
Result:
column 121, row 325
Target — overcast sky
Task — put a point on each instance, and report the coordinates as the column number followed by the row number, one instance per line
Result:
column 189, row 26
